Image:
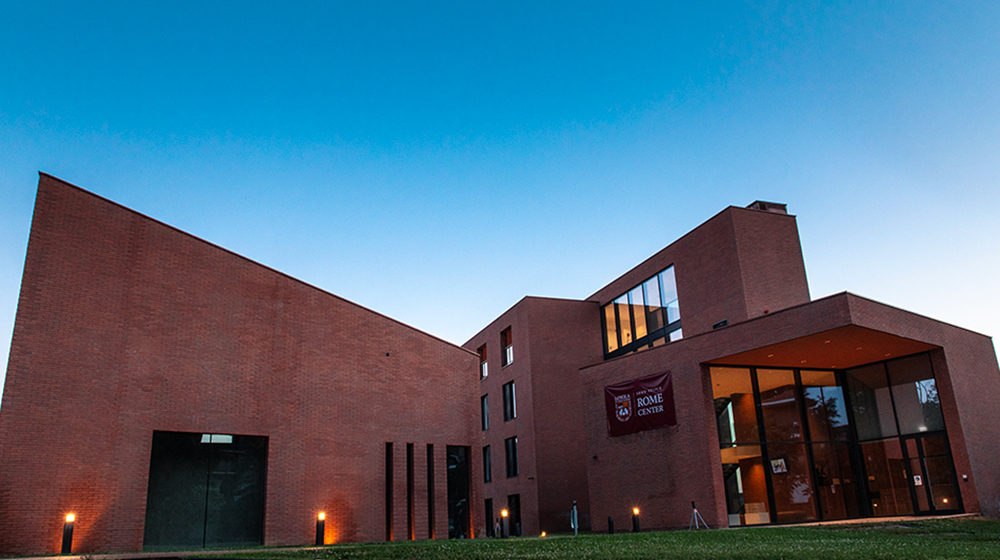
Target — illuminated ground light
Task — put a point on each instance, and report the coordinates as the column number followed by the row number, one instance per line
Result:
column 67, row 540
column 320, row 528
column 543, row 532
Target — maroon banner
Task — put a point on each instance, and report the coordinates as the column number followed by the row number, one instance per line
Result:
column 641, row 404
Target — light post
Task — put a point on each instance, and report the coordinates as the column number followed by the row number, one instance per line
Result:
column 320, row 527
column 635, row 520
column 503, row 528
column 67, row 542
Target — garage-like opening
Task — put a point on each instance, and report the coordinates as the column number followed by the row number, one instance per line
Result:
column 205, row 490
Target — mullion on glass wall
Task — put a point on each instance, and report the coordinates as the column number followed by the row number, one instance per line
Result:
column 892, row 399
column 807, row 436
column 858, row 469
column 764, row 457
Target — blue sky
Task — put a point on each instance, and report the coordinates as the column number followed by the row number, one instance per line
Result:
column 437, row 161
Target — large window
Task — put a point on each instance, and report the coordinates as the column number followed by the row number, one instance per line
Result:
column 510, row 449
column 507, row 344
column 802, row 445
column 509, row 404
column 648, row 315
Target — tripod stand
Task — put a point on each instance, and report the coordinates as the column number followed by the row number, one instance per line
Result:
column 696, row 519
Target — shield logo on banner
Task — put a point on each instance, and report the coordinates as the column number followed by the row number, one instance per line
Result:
column 623, row 407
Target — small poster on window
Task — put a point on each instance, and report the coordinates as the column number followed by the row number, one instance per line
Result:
column 778, row 466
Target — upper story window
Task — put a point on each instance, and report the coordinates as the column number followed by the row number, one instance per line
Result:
column 647, row 315
column 487, row 465
column 483, row 370
column 509, row 405
column 507, row 343
column 510, row 450
column 484, row 411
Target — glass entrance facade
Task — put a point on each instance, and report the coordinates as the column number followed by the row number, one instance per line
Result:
column 808, row 445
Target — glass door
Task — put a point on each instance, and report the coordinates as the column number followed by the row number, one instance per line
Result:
column 931, row 474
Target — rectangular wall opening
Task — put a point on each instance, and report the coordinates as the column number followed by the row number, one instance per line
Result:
column 205, row 490
column 459, row 513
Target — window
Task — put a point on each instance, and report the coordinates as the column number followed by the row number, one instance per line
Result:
column 514, row 511
column 646, row 316
column 799, row 445
column 484, row 406
column 487, row 465
column 509, row 406
column 510, row 447
column 489, row 518
column 507, row 343
column 483, row 370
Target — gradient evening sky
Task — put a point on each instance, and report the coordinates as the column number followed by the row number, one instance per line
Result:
column 437, row 161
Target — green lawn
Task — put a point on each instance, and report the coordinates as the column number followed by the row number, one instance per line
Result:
column 939, row 538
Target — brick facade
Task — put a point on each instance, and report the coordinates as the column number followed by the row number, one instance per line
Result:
column 552, row 338
column 126, row 325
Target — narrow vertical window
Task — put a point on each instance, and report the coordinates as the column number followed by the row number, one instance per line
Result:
column 509, row 404
column 624, row 319
column 610, row 328
column 409, row 493
column 459, row 484
column 388, row 491
column 489, row 518
column 638, row 306
column 510, row 446
column 483, row 370
column 669, row 295
column 484, row 411
column 654, row 309
column 430, row 491
column 507, row 343
column 487, row 465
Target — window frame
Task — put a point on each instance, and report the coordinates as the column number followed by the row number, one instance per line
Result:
column 509, row 401
column 510, row 456
column 484, row 411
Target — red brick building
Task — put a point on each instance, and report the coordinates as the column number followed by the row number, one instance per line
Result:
column 170, row 393
column 785, row 409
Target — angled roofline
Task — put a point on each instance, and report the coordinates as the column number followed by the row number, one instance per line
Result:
column 249, row 260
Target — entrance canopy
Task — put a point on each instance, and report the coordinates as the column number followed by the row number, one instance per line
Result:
column 839, row 348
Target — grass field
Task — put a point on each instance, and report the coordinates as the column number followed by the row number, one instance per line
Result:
column 938, row 538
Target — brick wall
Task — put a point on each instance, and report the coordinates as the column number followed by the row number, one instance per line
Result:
column 733, row 267
column 662, row 471
column 126, row 325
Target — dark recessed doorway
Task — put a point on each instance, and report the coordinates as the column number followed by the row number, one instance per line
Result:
column 205, row 490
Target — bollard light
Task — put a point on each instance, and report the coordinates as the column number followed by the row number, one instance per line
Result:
column 504, row 529
column 635, row 520
column 67, row 541
column 320, row 527
column 543, row 534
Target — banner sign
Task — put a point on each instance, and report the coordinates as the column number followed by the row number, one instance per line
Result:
column 641, row 404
